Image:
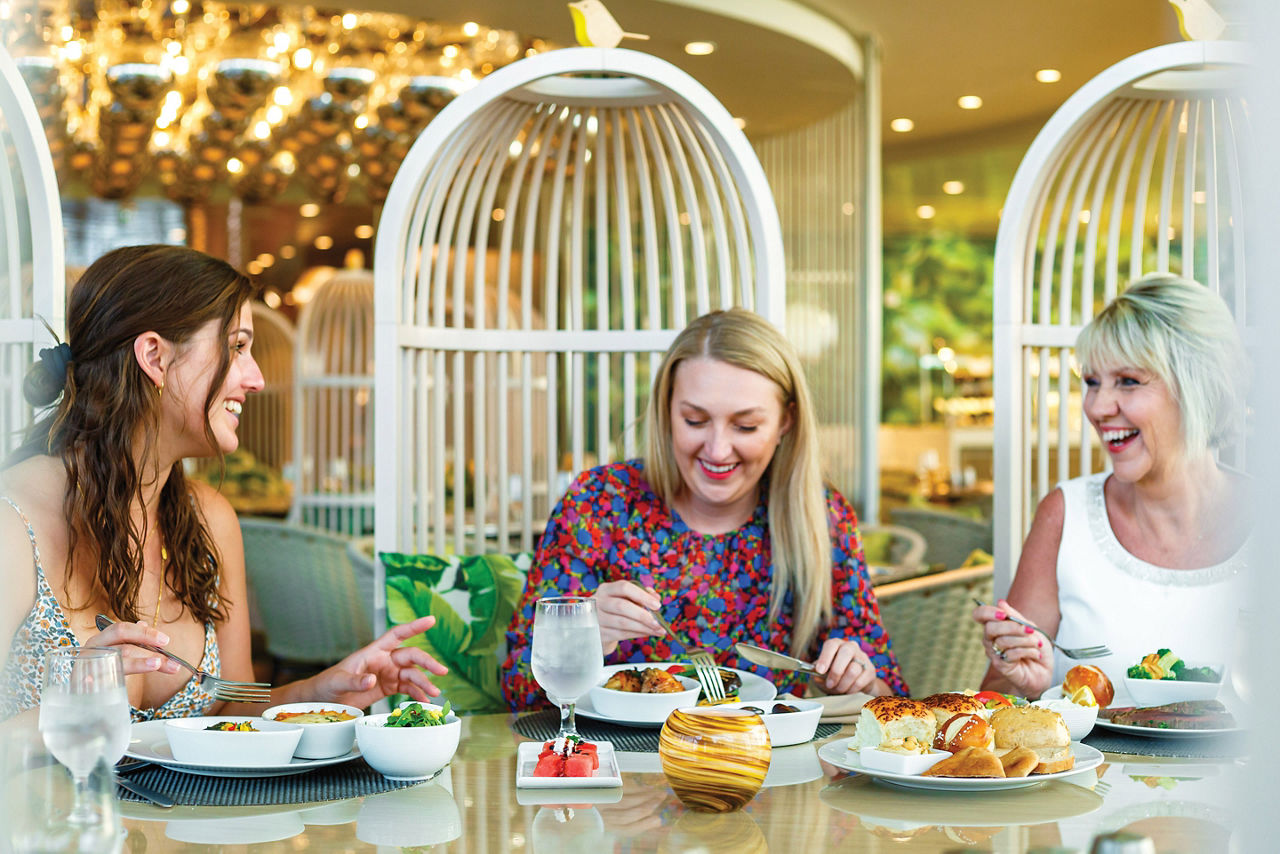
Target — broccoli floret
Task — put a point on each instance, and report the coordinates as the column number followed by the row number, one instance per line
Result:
column 1166, row 663
column 1138, row 672
column 1199, row 674
column 1178, row 667
column 1161, row 653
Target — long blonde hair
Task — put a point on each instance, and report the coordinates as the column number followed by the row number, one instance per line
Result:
column 799, row 532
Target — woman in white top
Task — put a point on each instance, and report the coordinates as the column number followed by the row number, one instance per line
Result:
column 1152, row 554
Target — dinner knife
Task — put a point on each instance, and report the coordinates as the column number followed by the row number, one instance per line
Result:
column 145, row 792
column 772, row 660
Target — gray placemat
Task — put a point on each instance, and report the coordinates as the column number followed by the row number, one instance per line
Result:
column 330, row 783
column 1209, row 747
column 543, row 726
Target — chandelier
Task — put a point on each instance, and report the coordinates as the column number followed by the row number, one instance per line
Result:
column 200, row 95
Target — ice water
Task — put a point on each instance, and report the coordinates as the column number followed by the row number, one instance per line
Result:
column 567, row 659
column 81, row 729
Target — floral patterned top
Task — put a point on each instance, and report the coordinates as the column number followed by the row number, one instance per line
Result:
column 46, row 627
column 611, row 526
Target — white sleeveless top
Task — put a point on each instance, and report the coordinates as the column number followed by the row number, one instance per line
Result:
column 1108, row 596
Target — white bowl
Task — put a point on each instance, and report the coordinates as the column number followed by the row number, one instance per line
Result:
column 193, row 743
column 321, row 740
column 900, row 763
column 645, row 708
column 407, row 753
column 785, row 728
column 1079, row 719
column 1158, row 692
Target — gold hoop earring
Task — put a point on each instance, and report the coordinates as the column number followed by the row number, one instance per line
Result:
column 160, row 389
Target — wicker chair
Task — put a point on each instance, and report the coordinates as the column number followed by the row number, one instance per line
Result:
column 314, row 606
column 905, row 557
column 938, row 645
column 951, row 538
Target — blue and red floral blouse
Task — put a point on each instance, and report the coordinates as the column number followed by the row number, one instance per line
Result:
column 610, row 526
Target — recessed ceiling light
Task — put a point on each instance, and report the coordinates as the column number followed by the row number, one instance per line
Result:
column 902, row 125
column 1048, row 75
column 926, row 212
column 969, row 102
column 700, row 48
column 953, row 188
column 470, row 29
column 310, row 209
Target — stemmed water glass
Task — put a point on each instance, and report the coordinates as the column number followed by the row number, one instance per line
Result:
column 84, row 716
column 567, row 657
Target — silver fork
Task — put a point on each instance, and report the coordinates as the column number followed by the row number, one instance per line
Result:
column 223, row 689
column 704, row 665
column 1083, row 652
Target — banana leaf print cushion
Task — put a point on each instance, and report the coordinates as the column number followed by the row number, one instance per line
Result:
column 472, row 598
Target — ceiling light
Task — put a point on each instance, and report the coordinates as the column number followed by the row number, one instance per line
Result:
column 470, row 29
column 282, row 96
column 349, row 21
column 902, row 125
column 1048, row 75
column 288, row 251
column 700, row 48
column 450, row 50
column 302, row 58
column 953, row 188
column 310, row 209
column 969, row 102
column 253, row 268
column 266, row 259
column 234, row 166
column 926, row 212
column 364, row 232
column 272, row 299
column 324, row 242
column 179, row 7
column 740, row 122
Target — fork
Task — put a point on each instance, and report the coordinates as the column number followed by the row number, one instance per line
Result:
column 704, row 665
column 1099, row 651
column 223, row 689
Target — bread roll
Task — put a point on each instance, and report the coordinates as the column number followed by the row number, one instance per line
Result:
column 970, row 762
column 1087, row 675
column 961, row 731
column 946, row 706
column 893, row 719
column 1041, row 730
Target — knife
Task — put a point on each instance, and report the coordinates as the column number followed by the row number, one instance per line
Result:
column 145, row 792
column 772, row 660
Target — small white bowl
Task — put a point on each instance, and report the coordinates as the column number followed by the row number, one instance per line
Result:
column 1079, row 719
column 321, row 740
column 407, row 753
column 646, row 708
column 785, row 728
column 900, row 763
column 1158, row 692
column 193, row 743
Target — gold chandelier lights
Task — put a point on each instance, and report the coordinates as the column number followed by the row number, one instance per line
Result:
column 199, row 95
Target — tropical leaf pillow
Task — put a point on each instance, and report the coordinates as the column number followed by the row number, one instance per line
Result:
column 472, row 599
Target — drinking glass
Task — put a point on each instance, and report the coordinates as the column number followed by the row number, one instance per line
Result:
column 567, row 657
column 84, row 717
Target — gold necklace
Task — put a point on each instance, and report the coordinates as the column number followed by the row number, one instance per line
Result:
column 164, row 559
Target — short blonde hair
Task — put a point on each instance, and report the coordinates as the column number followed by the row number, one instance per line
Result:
column 799, row 532
column 1183, row 333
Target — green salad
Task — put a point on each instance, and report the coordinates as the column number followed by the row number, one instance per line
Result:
column 1163, row 664
column 416, row 714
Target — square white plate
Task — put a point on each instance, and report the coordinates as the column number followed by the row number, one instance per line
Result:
column 606, row 776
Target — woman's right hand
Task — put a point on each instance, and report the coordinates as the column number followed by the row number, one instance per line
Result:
column 1021, row 655
column 124, row 636
column 625, row 611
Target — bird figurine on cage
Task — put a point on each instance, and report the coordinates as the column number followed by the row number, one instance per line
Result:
column 1198, row 20
column 593, row 26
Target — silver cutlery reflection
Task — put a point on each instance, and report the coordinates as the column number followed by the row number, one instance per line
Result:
column 224, row 689
column 1098, row 651
column 772, row 660
column 144, row 792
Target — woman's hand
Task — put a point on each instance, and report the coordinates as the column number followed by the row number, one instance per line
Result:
column 1021, row 655
column 848, row 669
column 124, row 636
column 625, row 611
column 381, row 668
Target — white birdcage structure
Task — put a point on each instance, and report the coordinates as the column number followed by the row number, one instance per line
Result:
column 31, row 248
column 266, row 427
column 1142, row 170
column 544, row 240
column 333, row 406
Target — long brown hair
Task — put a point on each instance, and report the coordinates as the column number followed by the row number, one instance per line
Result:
column 799, row 531
column 110, row 410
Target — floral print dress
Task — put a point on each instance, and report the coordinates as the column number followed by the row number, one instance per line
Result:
column 610, row 526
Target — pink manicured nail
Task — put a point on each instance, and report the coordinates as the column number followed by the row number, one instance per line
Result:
column 153, row 663
column 162, row 638
column 1000, row 615
column 1028, row 629
column 1040, row 643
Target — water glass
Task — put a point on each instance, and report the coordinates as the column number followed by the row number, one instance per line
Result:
column 84, row 716
column 38, row 797
column 567, row 656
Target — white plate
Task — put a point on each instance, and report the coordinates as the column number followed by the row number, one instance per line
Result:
column 754, row 689
column 1157, row 732
column 836, row 752
column 606, row 776
column 148, row 741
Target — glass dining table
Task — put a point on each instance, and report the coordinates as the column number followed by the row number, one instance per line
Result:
column 1182, row 804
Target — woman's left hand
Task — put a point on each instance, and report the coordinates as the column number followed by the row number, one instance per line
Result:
column 847, row 668
column 381, row 668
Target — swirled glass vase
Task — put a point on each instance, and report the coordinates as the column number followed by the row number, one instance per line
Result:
column 715, row 759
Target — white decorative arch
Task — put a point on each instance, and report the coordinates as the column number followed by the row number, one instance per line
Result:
column 32, row 274
column 602, row 188
column 1142, row 170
